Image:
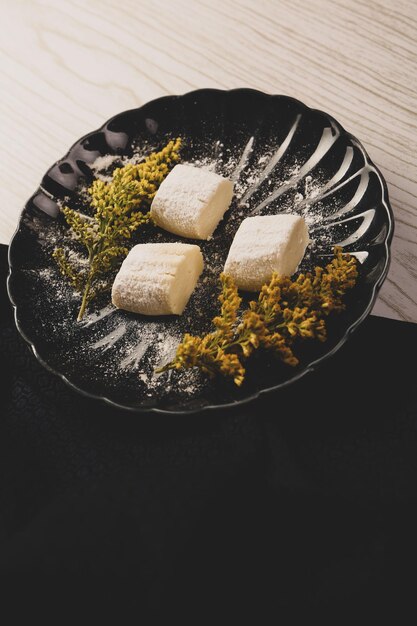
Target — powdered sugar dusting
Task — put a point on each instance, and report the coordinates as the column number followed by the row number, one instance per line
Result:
column 94, row 317
column 109, row 340
column 102, row 165
column 124, row 351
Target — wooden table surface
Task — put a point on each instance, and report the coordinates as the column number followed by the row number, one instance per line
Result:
column 67, row 66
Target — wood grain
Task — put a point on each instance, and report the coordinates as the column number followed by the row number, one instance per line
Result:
column 67, row 66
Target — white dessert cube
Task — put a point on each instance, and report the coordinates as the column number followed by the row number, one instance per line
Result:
column 263, row 245
column 157, row 278
column 191, row 201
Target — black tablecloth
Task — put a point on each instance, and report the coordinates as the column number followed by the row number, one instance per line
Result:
column 304, row 500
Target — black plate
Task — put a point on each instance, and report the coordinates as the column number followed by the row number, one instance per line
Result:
column 283, row 156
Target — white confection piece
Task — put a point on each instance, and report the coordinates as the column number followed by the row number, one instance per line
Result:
column 263, row 245
column 191, row 201
column 157, row 278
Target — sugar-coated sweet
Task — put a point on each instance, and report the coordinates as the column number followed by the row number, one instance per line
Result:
column 157, row 278
column 191, row 201
column 266, row 244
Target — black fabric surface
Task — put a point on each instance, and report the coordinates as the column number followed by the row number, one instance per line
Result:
column 306, row 500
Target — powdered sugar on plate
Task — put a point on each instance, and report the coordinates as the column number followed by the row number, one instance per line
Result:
column 118, row 353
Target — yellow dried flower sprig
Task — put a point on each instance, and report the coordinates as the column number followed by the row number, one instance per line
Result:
column 285, row 311
column 118, row 211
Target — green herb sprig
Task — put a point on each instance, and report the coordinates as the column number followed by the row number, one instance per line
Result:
column 120, row 207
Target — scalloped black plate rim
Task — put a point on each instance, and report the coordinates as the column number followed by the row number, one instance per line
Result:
column 312, row 367
column 244, row 401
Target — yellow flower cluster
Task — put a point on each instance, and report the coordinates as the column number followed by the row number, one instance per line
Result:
column 132, row 186
column 285, row 311
column 118, row 211
column 212, row 353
